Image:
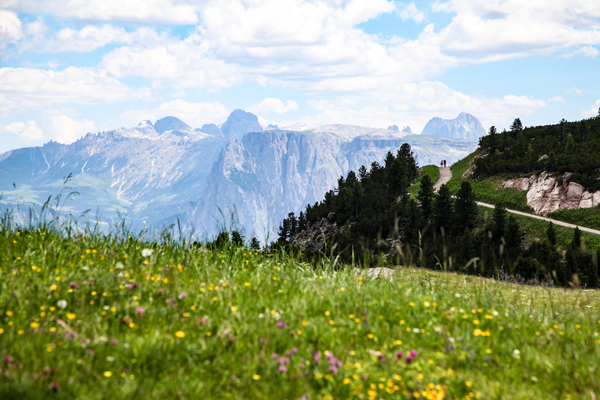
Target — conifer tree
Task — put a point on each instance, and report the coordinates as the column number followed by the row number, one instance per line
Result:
column 499, row 223
column 443, row 209
column 551, row 234
column 465, row 208
column 425, row 197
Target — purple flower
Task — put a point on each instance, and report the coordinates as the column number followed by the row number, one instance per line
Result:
column 132, row 285
column 282, row 368
column 283, row 360
column 317, row 358
column 161, row 292
column 413, row 353
column 365, row 377
column 114, row 342
column 291, row 351
column 380, row 357
column 333, row 369
column 74, row 285
column 263, row 340
column 55, row 387
column 400, row 354
column 281, row 324
column 8, row 359
column 70, row 335
column 90, row 351
column 274, row 356
column 182, row 295
column 91, row 283
column 233, row 377
column 139, row 310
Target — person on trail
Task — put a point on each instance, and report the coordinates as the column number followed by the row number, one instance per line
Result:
column 444, row 163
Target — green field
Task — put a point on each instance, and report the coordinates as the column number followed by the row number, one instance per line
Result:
column 91, row 317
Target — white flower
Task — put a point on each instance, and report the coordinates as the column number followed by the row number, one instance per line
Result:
column 120, row 264
column 516, row 354
column 62, row 304
column 457, row 295
column 261, row 315
column 147, row 252
column 495, row 313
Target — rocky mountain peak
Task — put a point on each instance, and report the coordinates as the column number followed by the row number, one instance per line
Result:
column 170, row 124
column 464, row 126
column 238, row 123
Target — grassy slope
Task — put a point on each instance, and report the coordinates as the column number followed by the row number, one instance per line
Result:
column 431, row 170
column 233, row 310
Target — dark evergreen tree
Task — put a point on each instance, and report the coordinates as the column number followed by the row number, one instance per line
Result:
column 425, row 197
column 237, row 239
column 465, row 208
column 443, row 209
column 513, row 233
column 255, row 244
column 551, row 234
column 576, row 242
column 499, row 223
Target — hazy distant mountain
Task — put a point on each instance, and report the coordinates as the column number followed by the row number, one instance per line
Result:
column 465, row 126
column 166, row 171
column 238, row 123
column 170, row 124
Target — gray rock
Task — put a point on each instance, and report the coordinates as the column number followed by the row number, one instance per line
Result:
column 211, row 129
column 238, row 123
column 393, row 128
column 406, row 129
column 542, row 158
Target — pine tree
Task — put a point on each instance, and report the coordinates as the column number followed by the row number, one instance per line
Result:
column 576, row 242
column 465, row 208
column 499, row 223
column 513, row 234
column 425, row 197
column 551, row 234
column 443, row 209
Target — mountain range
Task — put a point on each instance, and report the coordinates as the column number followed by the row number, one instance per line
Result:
column 236, row 174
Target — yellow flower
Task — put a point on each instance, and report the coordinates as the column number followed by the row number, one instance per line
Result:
column 107, row 374
column 34, row 325
column 398, row 342
column 20, row 331
column 327, row 313
column 9, row 313
column 234, row 308
column 1, row 331
column 131, row 325
column 49, row 349
column 180, row 334
column 71, row 315
column 477, row 332
column 370, row 336
column 476, row 321
column 57, row 278
column 357, row 365
column 247, row 284
column 469, row 384
column 411, row 304
column 426, row 304
column 347, row 381
column 53, row 287
column 256, row 377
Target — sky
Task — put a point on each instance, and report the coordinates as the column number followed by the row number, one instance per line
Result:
column 75, row 66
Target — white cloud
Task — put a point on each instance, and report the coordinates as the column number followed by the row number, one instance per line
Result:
column 10, row 28
column 272, row 105
column 593, row 111
column 410, row 11
column 586, row 51
column 27, row 88
column 578, row 92
column 132, row 11
column 193, row 114
column 67, row 130
column 28, row 131
column 556, row 99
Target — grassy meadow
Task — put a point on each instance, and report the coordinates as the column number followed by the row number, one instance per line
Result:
column 94, row 316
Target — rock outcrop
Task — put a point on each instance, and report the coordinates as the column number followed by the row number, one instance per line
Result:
column 314, row 237
column 549, row 192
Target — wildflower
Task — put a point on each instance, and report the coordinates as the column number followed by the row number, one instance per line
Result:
column 55, row 387
column 107, row 374
column 120, row 265
column 234, row 308
column 132, row 285
column 61, row 304
column 74, row 285
column 274, row 356
column 233, row 377
column 161, row 292
column 283, row 360
column 182, row 295
column 256, row 377
column 70, row 335
column 291, row 351
column 281, row 324
column 282, row 368
column 71, row 315
column 53, row 287
column 147, row 252
column 516, row 354
column 180, row 334
column 139, row 310
column 8, row 359
column 91, row 283
column 317, row 358
column 90, row 351
column 411, row 356
column 263, row 340
column 114, row 342
column 34, row 325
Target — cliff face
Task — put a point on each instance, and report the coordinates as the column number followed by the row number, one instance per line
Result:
column 268, row 174
column 465, row 126
column 548, row 192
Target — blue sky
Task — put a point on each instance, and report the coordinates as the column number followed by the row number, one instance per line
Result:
column 94, row 65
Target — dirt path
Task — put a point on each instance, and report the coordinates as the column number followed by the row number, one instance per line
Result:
column 446, row 175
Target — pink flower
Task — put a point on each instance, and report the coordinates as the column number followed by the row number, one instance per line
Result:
column 275, row 356
column 281, row 324
column 139, row 310
column 284, row 360
column 282, row 368
column 317, row 358
column 182, row 295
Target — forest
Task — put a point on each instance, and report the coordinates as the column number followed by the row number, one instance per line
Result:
column 559, row 148
column 381, row 224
